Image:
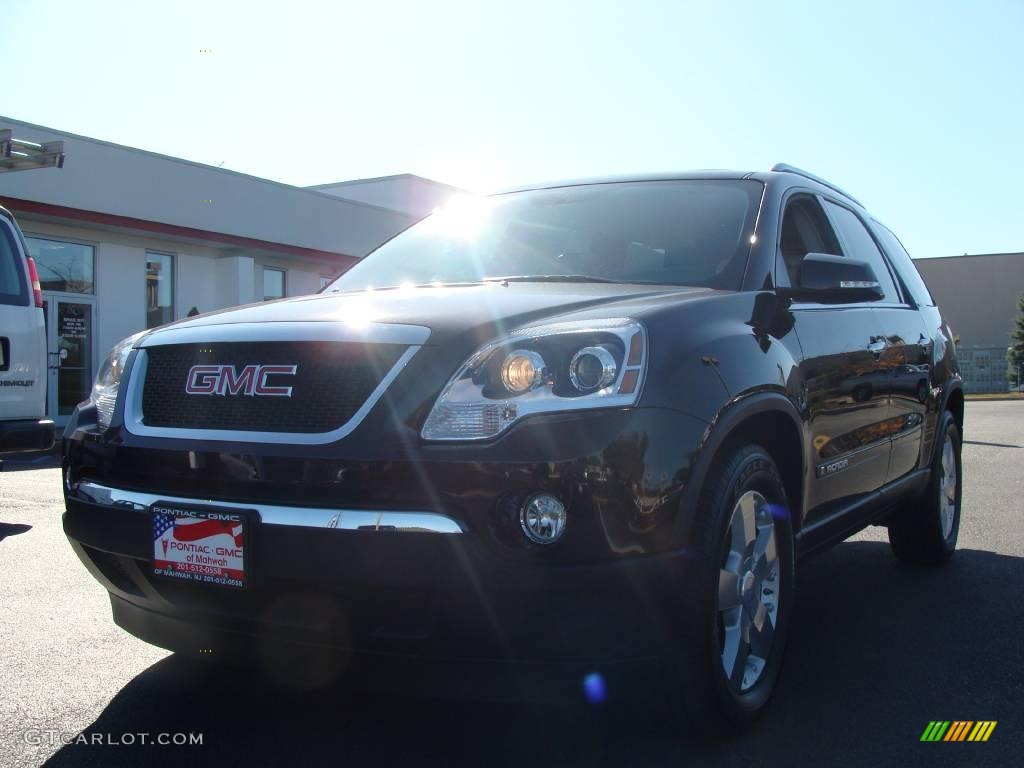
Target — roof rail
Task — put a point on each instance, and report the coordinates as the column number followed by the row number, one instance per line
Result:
column 808, row 175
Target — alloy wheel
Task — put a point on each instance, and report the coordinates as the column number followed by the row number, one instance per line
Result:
column 748, row 592
column 947, row 487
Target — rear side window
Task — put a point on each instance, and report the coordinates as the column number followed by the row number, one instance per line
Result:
column 13, row 289
column 859, row 245
column 904, row 266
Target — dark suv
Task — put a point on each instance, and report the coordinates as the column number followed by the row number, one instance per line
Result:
column 589, row 427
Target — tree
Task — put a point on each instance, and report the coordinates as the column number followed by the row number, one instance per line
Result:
column 1015, row 354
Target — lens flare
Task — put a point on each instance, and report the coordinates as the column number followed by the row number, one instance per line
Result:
column 594, row 688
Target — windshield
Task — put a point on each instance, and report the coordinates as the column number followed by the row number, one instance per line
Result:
column 695, row 232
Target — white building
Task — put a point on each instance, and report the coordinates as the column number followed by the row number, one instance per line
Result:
column 126, row 239
column 406, row 192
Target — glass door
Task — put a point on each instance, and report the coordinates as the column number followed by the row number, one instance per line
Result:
column 69, row 338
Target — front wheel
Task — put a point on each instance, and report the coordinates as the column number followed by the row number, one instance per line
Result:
column 746, row 540
column 924, row 531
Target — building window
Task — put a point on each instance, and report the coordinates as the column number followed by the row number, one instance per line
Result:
column 273, row 283
column 63, row 266
column 159, row 289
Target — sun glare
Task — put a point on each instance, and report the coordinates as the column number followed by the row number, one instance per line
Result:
column 462, row 216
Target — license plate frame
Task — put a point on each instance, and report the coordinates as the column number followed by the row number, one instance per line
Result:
column 217, row 554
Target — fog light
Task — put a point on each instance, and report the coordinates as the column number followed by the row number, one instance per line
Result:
column 543, row 518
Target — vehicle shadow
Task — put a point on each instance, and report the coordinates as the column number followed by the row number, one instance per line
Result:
column 877, row 650
column 13, row 529
column 21, row 462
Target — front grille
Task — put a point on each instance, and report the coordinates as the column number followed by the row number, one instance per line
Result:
column 331, row 382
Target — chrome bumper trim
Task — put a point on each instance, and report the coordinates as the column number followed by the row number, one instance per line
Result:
column 301, row 517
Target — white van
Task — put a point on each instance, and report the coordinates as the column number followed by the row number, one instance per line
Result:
column 22, row 347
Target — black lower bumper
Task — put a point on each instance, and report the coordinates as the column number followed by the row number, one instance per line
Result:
column 27, row 435
column 398, row 595
column 301, row 662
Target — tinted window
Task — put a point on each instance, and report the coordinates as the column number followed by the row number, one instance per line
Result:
column 687, row 232
column 804, row 230
column 859, row 245
column 12, row 282
column 904, row 265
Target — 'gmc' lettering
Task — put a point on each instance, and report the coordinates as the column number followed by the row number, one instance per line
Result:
column 252, row 380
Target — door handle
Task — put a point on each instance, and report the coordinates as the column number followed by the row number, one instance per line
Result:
column 877, row 346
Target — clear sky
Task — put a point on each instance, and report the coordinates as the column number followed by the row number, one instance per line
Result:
column 916, row 108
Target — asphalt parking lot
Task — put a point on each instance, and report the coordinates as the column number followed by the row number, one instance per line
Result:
column 876, row 652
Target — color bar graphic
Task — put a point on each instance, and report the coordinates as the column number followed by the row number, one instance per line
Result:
column 958, row 730
column 935, row 730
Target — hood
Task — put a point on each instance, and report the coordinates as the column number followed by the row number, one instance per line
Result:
column 479, row 311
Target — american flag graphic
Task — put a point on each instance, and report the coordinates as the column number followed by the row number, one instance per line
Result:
column 183, row 530
column 161, row 522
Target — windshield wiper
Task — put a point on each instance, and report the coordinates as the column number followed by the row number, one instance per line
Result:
column 549, row 279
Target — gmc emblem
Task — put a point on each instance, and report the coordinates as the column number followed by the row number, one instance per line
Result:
column 251, row 380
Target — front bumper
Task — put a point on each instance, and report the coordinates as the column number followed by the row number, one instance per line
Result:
column 407, row 556
column 382, row 591
column 27, row 435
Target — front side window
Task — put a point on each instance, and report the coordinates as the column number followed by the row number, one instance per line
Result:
column 159, row 289
column 63, row 266
column 273, row 284
column 687, row 232
column 860, row 245
column 804, row 230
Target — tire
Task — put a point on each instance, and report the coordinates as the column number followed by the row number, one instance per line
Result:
column 924, row 530
column 740, row 588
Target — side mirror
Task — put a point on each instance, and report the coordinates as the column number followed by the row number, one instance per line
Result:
column 828, row 279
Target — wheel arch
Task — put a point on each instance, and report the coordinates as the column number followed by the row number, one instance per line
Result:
column 769, row 419
column 955, row 403
column 952, row 401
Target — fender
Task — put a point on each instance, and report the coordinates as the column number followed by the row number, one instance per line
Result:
column 952, row 385
column 729, row 418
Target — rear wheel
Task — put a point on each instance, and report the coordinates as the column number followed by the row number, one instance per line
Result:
column 924, row 531
column 746, row 537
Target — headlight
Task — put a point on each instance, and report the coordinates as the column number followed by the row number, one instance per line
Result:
column 104, row 389
column 523, row 370
column 541, row 369
column 592, row 368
